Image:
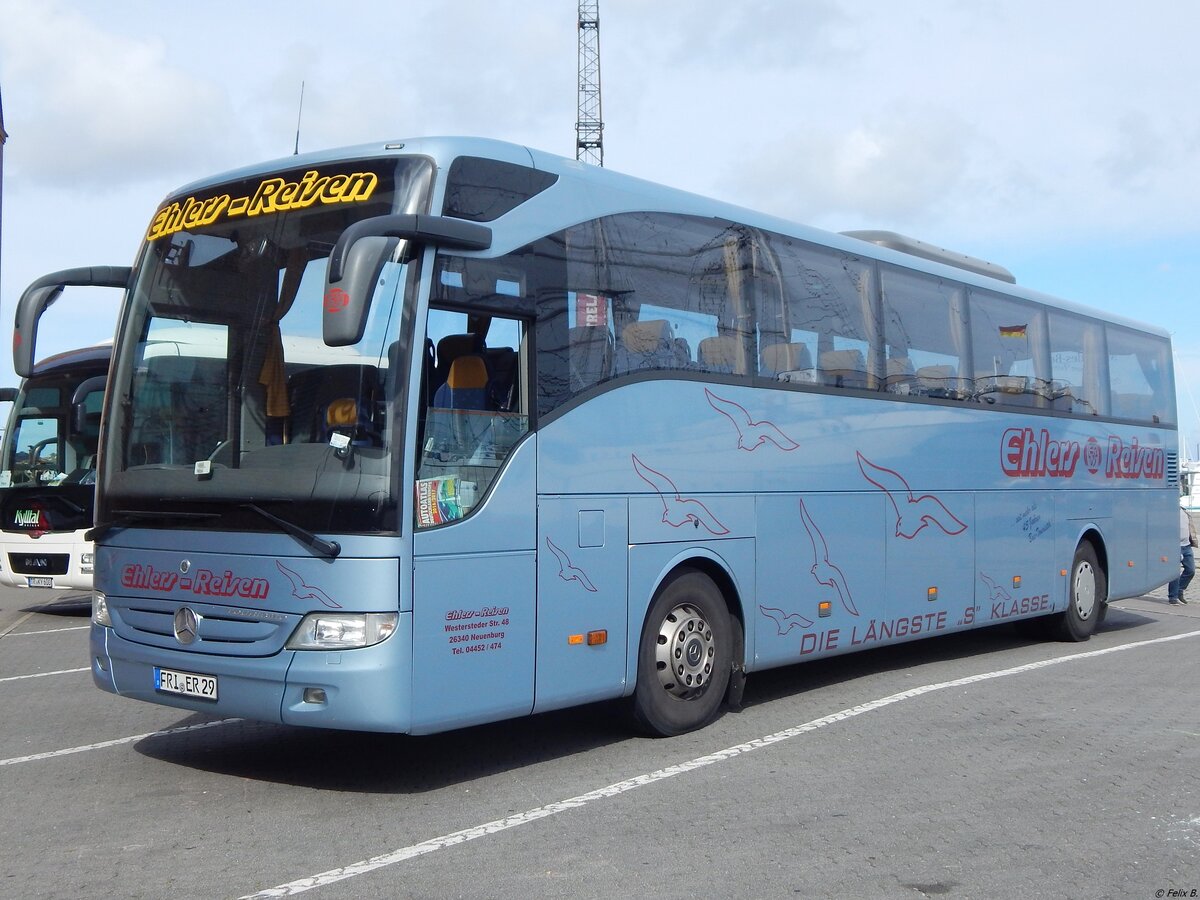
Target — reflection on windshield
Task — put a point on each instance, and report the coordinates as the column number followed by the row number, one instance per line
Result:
column 226, row 393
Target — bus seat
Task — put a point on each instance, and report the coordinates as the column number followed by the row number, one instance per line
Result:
column 326, row 399
column 844, row 369
column 646, row 345
column 502, row 371
column 591, row 355
column 777, row 359
column 466, row 385
column 901, row 377
column 450, row 348
column 719, row 354
column 938, row 381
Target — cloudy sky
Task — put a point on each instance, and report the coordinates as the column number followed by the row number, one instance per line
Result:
column 1059, row 138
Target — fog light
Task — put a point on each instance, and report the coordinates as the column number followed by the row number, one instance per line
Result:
column 314, row 695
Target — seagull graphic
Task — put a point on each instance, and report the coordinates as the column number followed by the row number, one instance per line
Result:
column 302, row 591
column 823, row 570
column 565, row 567
column 912, row 513
column 751, row 434
column 677, row 510
column 996, row 592
column 785, row 622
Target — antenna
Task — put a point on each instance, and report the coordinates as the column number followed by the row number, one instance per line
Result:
column 299, row 112
column 589, row 128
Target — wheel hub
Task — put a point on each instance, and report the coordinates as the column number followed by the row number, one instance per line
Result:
column 1085, row 590
column 685, row 651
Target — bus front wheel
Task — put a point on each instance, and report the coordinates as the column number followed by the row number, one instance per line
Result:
column 684, row 656
column 1087, row 595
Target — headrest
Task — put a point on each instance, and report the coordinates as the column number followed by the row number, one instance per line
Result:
column 646, row 337
column 342, row 412
column 454, row 345
column 718, row 351
column 785, row 357
column 936, row 372
column 842, row 359
column 467, row 373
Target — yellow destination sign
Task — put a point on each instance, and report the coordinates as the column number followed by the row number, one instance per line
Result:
column 272, row 195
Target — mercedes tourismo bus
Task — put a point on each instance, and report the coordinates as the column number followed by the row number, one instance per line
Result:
column 580, row 437
column 48, row 472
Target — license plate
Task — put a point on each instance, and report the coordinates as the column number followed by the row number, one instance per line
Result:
column 40, row 581
column 188, row 684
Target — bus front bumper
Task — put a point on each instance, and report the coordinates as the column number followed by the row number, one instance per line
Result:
column 367, row 689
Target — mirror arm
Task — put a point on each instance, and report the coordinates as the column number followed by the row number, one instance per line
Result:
column 428, row 229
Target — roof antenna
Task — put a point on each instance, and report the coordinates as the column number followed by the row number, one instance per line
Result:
column 299, row 112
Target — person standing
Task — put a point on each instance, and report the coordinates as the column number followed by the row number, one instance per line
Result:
column 1187, row 559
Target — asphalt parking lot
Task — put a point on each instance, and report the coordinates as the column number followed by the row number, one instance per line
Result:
column 976, row 765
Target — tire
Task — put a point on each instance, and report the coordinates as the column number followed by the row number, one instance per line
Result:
column 1087, row 597
column 684, row 656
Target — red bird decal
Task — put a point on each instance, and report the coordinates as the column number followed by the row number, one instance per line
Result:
column 912, row 513
column 677, row 510
column 569, row 572
column 785, row 622
column 823, row 570
column 751, row 434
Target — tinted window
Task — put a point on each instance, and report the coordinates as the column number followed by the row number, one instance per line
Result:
column 1010, row 352
column 924, row 332
column 484, row 189
column 1139, row 371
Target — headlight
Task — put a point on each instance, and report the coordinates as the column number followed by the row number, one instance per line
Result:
column 100, row 614
column 342, row 631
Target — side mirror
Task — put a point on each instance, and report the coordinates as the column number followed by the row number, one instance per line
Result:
column 358, row 258
column 348, row 302
column 79, row 400
column 8, row 395
column 38, row 297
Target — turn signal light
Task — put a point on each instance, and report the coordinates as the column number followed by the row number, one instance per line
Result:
column 931, row 594
column 824, row 608
column 574, row 639
column 596, row 638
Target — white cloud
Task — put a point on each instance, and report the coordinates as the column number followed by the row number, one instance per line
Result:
column 87, row 105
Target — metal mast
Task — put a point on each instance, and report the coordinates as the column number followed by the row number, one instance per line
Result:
column 589, row 128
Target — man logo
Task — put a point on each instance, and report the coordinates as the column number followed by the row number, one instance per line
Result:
column 187, row 625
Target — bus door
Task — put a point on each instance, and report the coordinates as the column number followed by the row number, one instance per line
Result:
column 582, row 600
column 474, row 571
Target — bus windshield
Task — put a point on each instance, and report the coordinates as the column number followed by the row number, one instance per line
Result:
column 225, row 388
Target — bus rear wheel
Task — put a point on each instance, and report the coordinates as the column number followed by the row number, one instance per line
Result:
column 684, row 656
column 1087, row 596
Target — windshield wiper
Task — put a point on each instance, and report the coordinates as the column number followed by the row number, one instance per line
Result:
column 318, row 545
column 124, row 518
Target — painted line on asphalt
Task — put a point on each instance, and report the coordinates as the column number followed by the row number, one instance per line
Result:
column 44, row 674
column 114, row 743
column 13, row 634
column 496, row 826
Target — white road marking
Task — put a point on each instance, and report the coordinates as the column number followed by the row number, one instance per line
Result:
column 44, row 674
column 114, row 743
column 13, row 634
column 497, row 825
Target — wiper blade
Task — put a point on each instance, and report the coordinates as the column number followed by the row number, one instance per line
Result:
column 124, row 518
column 317, row 544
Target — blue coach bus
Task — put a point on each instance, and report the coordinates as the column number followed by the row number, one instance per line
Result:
column 453, row 430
